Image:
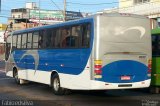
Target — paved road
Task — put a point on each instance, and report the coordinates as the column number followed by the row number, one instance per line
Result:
column 41, row 95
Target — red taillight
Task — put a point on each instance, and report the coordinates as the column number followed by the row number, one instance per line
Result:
column 98, row 67
column 149, row 65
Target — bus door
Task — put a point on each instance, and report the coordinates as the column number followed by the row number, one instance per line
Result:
column 7, row 47
column 7, row 50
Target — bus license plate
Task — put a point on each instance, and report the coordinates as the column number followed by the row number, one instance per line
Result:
column 125, row 78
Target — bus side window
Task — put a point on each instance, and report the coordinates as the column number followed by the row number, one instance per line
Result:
column 65, row 37
column 46, row 38
column 75, row 36
column 40, row 40
column 86, row 31
column 24, row 40
column 53, row 38
column 29, row 41
column 57, row 38
column 35, row 39
column 8, row 46
column 14, row 42
column 19, row 41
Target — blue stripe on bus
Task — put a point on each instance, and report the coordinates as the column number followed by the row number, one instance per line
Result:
column 112, row 72
column 68, row 61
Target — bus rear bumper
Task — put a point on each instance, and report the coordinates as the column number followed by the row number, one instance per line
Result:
column 98, row 85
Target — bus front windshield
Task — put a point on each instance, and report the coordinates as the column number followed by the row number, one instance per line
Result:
column 156, row 45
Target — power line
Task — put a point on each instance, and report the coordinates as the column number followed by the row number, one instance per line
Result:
column 92, row 3
column 0, row 5
column 61, row 11
column 6, row 10
column 104, row 3
column 56, row 5
column 4, row 16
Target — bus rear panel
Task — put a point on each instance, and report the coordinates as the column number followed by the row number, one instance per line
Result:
column 122, row 52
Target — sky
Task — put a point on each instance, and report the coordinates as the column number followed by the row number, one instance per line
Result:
column 91, row 6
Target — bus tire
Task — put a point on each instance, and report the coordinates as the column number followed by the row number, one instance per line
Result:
column 57, row 89
column 17, row 80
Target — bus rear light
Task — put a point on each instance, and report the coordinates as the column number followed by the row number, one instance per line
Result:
column 98, row 67
column 149, row 66
column 98, row 76
column 149, row 71
column 98, row 62
column 149, row 75
column 98, row 72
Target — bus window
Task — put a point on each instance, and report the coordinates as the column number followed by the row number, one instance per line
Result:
column 35, row 39
column 53, row 38
column 29, row 41
column 19, row 41
column 64, row 40
column 57, row 38
column 40, row 41
column 76, row 33
column 86, row 31
column 14, row 41
column 46, row 39
column 24, row 40
column 8, row 46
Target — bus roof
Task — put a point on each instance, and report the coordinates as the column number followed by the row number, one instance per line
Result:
column 82, row 20
column 54, row 25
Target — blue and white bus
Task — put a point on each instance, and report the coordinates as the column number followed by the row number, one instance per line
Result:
column 100, row 52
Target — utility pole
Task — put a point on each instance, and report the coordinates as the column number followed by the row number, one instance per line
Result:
column 0, row 5
column 39, row 12
column 64, row 11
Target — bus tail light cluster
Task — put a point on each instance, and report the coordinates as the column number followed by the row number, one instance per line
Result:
column 98, row 67
column 149, row 66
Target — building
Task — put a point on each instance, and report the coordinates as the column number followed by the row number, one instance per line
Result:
column 2, row 42
column 32, row 16
column 2, row 30
column 149, row 8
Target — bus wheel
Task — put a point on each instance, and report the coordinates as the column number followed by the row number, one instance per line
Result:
column 57, row 89
column 17, row 80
